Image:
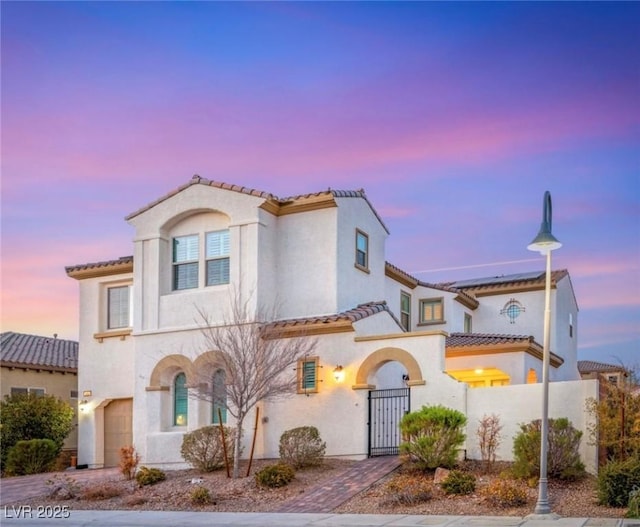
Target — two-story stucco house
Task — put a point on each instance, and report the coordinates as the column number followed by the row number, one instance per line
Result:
column 319, row 260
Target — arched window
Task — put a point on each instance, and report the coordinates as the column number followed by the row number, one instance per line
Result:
column 219, row 388
column 180, row 400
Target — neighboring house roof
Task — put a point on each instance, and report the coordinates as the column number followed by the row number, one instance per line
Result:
column 272, row 204
column 466, row 344
column 18, row 350
column 123, row 264
column 591, row 366
column 333, row 323
column 513, row 283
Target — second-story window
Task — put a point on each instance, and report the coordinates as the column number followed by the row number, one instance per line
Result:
column 467, row 323
column 431, row 311
column 119, row 307
column 191, row 260
column 405, row 311
column 185, row 262
column 217, row 255
column 362, row 250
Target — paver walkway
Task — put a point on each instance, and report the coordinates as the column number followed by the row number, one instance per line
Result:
column 332, row 494
column 23, row 487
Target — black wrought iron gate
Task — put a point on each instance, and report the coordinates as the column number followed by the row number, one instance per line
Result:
column 386, row 408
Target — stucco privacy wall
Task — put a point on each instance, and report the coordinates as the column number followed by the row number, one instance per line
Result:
column 517, row 404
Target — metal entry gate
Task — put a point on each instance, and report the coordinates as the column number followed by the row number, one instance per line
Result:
column 386, row 408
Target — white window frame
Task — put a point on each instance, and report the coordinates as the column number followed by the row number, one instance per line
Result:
column 361, row 235
column 404, row 313
column 125, row 318
column 218, row 249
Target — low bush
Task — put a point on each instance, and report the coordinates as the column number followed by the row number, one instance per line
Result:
column 563, row 458
column 204, row 448
column 634, row 504
column 616, row 480
column 458, row 482
column 432, row 436
column 149, row 476
column 302, row 447
column 407, row 489
column 101, row 491
column 129, row 460
column 274, row 476
column 31, row 457
column 505, row 493
column 201, row 496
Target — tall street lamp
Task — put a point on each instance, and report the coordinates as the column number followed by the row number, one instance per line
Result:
column 544, row 243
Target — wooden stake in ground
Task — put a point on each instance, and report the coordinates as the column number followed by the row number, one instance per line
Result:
column 253, row 443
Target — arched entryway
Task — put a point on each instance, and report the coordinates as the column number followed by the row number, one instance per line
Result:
column 387, row 406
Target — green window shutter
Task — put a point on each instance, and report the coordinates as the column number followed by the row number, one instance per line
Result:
column 309, row 375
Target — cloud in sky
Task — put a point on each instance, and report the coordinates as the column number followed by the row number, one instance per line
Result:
column 454, row 117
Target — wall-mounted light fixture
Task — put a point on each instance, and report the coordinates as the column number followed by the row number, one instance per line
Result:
column 338, row 373
column 87, row 393
column 83, row 405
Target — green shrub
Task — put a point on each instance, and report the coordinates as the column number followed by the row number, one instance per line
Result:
column 274, row 476
column 432, row 436
column 31, row 416
column 203, row 448
column 458, row 482
column 563, row 456
column 634, row 504
column 201, row 496
column 149, row 476
column 407, row 489
column 504, row 493
column 31, row 457
column 616, row 480
column 302, row 447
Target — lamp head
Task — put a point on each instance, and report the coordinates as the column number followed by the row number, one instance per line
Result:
column 545, row 242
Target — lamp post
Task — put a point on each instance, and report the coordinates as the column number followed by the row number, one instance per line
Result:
column 544, row 243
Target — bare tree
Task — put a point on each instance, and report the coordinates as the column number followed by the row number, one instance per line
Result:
column 259, row 363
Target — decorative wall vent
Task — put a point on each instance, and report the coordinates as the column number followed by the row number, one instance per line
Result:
column 512, row 310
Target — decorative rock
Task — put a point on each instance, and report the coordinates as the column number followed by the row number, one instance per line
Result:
column 440, row 475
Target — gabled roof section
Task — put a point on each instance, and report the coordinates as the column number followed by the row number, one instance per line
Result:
column 592, row 366
column 109, row 267
column 272, row 204
column 19, row 350
column 467, row 344
column 322, row 324
column 515, row 283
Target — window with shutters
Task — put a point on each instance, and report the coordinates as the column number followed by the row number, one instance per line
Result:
column 185, row 262
column 188, row 259
column 217, row 257
column 180, row 400
column 119, row 307
column 307, row 375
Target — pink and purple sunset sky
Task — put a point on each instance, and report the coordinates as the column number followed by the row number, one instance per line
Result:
column 454, row 117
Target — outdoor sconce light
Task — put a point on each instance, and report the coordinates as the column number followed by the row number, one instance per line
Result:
column 83, row 405
column 338, row 373
column 87, row 393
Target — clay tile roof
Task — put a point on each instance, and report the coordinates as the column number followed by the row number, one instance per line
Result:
column 18, row 350
column 481, row 339
column 197, row 180
column 351, row 315
column 123, row 260
column 590, row 366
